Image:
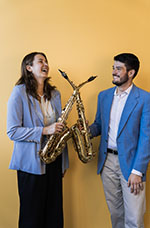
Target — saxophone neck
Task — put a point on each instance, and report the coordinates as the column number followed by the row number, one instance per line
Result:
column 66, row 77
column 72, row 84
column 89, row 80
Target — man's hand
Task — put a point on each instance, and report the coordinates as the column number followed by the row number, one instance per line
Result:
column 135, row 183
column 80, row 126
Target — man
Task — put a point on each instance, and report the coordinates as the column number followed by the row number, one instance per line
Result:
column 123, row 121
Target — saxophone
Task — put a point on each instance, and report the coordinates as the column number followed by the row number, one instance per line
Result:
column 81, row 138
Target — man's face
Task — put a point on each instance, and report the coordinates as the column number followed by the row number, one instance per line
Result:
column 120, row 74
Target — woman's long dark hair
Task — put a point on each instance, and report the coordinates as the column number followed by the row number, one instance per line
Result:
column 29, row 80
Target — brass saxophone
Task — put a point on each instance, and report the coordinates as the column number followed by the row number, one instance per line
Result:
column 81, row 138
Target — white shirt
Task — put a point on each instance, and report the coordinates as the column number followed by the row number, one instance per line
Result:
column 115, row 116
column 48, row 112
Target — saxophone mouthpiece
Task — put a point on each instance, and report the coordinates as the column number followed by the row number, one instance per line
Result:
column 63, row 74
column 92, row 78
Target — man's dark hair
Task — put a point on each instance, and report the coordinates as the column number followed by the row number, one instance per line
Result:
column 29, row 80
column 130, row 60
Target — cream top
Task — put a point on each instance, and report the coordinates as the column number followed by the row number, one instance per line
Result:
column 48, row 112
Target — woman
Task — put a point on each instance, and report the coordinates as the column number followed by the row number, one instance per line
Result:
column 33, row 109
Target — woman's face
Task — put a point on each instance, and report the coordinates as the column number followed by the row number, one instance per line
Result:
column 39, row 67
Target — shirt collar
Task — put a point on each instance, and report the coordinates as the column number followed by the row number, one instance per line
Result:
column 126, row 92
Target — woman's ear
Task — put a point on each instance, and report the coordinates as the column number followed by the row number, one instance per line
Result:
column 29, row 68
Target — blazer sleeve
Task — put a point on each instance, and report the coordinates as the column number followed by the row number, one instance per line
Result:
column 143, row 148
column 16, row 130
column 95, row 128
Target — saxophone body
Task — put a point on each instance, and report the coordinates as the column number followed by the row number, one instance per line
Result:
column 81, row 138
column 57, row 142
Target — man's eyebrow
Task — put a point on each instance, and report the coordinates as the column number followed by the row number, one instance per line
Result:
column 119, row 67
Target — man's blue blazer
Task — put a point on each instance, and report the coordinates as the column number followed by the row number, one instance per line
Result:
column 133, row 137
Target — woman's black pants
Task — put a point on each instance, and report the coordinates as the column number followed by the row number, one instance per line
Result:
column 41, row 198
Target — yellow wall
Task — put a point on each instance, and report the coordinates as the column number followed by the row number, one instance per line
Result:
column 80, row 37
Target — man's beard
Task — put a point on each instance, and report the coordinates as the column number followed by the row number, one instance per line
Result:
column 122, row 81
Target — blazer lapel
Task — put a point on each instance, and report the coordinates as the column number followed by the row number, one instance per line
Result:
column 107, row 108
column 56, row 105
column 131, row 103
column 36, row 106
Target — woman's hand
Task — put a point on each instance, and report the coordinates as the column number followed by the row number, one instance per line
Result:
column 54, row 128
